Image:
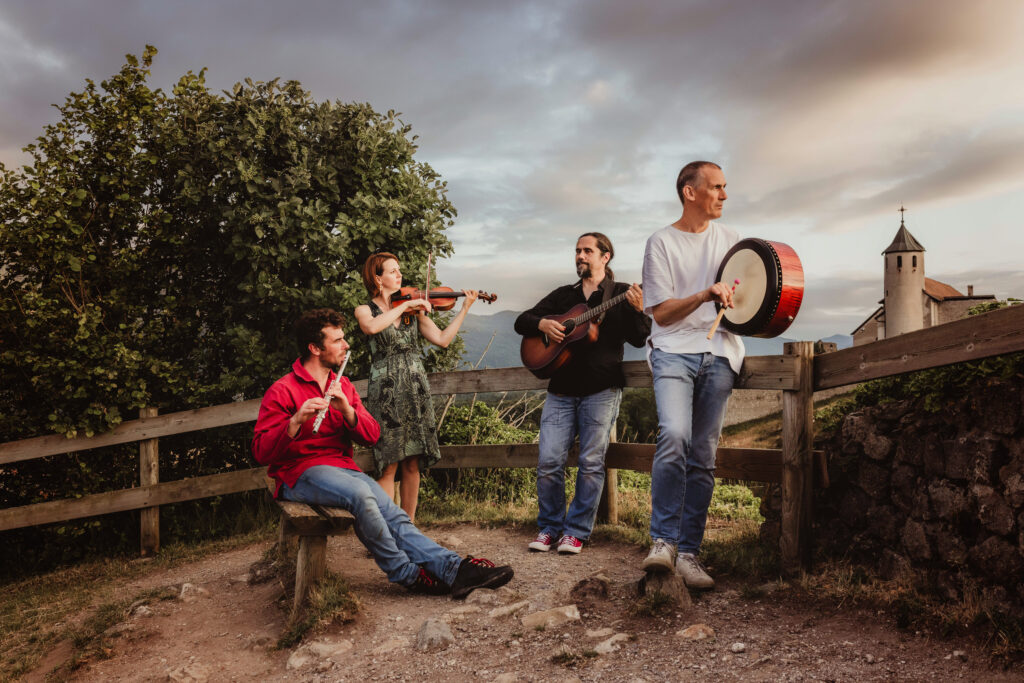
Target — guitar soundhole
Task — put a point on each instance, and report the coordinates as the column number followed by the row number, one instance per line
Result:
column 569, row 327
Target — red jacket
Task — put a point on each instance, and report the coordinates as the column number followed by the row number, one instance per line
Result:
column 287, row 458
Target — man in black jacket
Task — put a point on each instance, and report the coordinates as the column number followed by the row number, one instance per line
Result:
column 583, row 395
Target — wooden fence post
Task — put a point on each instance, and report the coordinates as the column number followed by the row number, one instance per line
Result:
column 608, row 508
column 797, row 477
column 149, row 473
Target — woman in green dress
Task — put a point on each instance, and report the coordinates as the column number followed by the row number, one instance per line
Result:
column 398, row 395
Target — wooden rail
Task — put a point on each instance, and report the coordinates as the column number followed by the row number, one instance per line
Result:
column 980, row 336
column 758, row 372
column 751, row 464
column 797, row 373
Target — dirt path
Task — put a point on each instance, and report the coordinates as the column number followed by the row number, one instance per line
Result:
column 227, row 632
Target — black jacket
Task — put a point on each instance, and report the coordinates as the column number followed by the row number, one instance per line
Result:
column 592, row 367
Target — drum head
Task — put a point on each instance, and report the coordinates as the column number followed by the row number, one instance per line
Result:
column 755, row 264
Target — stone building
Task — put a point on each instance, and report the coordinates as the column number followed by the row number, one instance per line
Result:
column 912, row 301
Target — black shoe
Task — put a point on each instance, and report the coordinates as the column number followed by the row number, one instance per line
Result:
column 476, row 572
column 428, row 584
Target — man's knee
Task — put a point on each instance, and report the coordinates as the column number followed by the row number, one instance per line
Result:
column 592, row 464
column 675, row 434
column 364, row 500
column 550, row 461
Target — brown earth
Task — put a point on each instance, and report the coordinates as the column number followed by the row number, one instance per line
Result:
column 228, row 632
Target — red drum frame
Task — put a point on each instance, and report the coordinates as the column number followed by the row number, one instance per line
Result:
column 771, row 287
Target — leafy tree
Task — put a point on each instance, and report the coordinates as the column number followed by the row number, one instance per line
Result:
column 154, row 252
column 158, row 245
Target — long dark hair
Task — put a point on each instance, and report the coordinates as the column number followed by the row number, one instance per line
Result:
column 605, row 245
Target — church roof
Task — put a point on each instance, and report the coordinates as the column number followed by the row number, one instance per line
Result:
column 903, row 241
column 939, row 290
column 877, row 314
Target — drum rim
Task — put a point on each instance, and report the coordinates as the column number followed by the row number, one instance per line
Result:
column 764, row 313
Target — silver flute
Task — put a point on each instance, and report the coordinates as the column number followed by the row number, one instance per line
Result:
column 337, row 382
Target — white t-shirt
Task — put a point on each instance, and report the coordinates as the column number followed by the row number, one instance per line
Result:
column 679, row 264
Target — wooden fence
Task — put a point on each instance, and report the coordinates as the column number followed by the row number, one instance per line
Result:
column 797, row 373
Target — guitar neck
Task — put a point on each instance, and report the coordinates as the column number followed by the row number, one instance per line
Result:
column 598, row 310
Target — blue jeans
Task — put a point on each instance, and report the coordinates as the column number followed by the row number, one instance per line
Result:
column 398, row 547
column 691, row 390
column 592, row 417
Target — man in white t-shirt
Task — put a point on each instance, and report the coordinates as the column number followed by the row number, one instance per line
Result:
column 693, row 375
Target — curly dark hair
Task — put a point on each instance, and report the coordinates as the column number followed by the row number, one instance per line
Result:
column 309, row 328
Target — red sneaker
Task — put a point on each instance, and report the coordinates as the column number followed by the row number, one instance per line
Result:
column 570, row 544
column 543, row 542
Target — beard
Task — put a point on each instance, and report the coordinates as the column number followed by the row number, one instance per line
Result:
column 583, row 270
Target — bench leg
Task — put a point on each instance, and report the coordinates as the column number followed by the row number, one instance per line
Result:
column 309, row 568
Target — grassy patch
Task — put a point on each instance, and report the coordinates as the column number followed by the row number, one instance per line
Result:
column 736, row 549
column 912, row 603
column 331, row 600
column 38, row 612
column 570, row 658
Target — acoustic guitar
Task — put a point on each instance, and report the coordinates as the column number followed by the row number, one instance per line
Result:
column 543, row 356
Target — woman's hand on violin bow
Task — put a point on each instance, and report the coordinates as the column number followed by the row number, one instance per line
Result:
column 416, row 305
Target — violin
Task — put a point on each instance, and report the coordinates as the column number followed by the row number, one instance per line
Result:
column 441, row 298
column 445, row 297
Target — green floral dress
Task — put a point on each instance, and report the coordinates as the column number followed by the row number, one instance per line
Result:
column 399, row 397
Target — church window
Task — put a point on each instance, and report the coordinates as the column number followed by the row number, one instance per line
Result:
column 914, row 259
column 899, row 261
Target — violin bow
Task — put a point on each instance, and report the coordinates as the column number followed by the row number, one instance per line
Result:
column 426, row 290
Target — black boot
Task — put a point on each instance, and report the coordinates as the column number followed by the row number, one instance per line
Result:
column 476, row 572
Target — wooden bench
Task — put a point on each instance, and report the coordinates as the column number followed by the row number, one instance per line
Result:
column 312, row 524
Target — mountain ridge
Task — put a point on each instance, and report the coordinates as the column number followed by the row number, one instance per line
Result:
column 477, row 331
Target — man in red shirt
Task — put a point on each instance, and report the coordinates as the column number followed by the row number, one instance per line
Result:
column 318, row 468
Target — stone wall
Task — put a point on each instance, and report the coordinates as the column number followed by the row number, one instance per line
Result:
column 938, row 492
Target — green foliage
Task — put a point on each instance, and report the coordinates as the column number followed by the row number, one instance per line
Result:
column 479, row 423
column 734, row 502
column 159, row 245
column 936, row 387
column 828, row 418
column 638, row 417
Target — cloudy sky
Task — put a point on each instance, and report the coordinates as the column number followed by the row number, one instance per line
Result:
column 549, row 119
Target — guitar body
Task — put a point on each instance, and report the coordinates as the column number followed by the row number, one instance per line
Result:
column 543, row 357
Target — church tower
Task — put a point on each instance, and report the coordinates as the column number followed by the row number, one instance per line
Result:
column 904, row 283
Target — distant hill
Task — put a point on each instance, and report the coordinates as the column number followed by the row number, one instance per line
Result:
column 476, row 331
column 843, row 341
column 504, row 352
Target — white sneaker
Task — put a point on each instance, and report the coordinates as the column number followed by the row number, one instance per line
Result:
column 662, row 557
column 692, row 572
